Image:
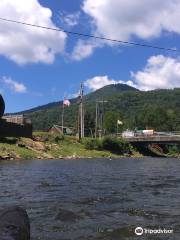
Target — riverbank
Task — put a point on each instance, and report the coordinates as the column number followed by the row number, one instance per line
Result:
column 50, row 146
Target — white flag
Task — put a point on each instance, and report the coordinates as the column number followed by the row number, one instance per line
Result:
column 119, row 122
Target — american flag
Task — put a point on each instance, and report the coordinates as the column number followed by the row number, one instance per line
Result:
column 66, row 102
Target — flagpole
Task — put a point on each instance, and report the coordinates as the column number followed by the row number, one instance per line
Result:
column 96, row 127
column 66, row 102
column 82, row 111
column 62, row 121
column 117, row 128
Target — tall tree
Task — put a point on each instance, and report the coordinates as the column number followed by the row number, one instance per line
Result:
column 110, row 121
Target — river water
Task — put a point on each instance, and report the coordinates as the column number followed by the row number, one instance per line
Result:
column 92, row 199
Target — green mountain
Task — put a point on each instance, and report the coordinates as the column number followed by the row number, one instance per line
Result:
column 98, row 94
column 158, row 109
column 109, row 90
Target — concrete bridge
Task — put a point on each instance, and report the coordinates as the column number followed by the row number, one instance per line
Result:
column 158, row 138
column 153, row 145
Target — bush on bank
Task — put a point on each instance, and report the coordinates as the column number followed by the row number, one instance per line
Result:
column 48, row 137
column 93, row 144
column 112, row 144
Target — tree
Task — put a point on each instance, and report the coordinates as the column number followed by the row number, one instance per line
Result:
column 110, row 121
column 155, row 117
column 89, row 123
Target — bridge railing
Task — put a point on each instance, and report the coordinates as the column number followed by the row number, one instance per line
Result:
column 177, row 133
column 160, row 134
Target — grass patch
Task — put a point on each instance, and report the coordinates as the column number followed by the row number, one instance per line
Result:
column 49, row 145
column 48, row 137
column 14, row 151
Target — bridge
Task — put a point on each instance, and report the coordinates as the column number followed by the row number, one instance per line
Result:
column 153, row 145
column 157, row 137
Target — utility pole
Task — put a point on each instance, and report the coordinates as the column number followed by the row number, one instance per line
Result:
column 100, row 117
column 103, row 116
column 62, row 120
column 81, row 111
column 62, row 117
column 96, row 127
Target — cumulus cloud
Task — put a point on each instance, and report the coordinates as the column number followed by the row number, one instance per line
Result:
column 73, row 95
column 14, row 86
column 24, row 44
column 101, row 81
column 160, row 72
column 84, row 49
column 123, row 19
column 69, row 20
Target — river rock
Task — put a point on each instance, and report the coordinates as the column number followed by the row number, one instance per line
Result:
column 67, row 216
column 14, row 224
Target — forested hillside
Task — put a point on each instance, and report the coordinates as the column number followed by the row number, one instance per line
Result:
column 158, row 109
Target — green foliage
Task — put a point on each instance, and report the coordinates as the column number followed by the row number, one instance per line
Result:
column 112, row 144
column 48, row 137
column 159, row 109
column 93, row 144
column 148, row 118
column 9, row 140
column 116, row 145
column 110, row 121
column 109, row 90
column 89, row 123
column 158, row 118
column 11, row 149
column 173, row 150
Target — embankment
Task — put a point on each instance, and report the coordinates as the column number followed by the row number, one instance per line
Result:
column 50, row 146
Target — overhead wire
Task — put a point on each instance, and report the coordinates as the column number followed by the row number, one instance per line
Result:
column 88, row 35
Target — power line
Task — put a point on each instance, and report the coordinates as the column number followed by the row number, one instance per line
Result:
column 89, row 35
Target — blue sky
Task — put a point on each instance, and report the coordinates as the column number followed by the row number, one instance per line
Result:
column 40, row 66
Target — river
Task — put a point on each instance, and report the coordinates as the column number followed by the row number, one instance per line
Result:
column 92, row 199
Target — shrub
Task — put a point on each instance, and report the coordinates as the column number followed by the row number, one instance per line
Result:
column 116, row 145
column 111, row 144
column 9, row 140
column 93, row 144
column 48, row 137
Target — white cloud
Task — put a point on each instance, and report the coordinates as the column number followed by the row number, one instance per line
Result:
column 83, row 49
column 14, row 86
column 69, row 20
column 24, row 44
column 123, row 19
column 73, row 95
column 160, row 72
column 101, row 81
